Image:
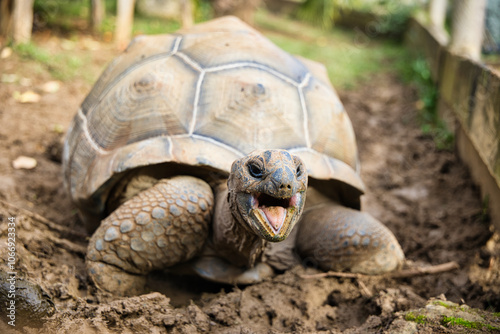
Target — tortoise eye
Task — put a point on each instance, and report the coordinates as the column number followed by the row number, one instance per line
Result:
column 255, row 170
column 299, row 171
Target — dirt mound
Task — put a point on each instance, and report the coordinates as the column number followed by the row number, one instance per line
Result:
column 424, row 195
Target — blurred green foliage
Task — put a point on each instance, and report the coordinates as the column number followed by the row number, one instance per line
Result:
column 391, row 16
column 349, row 56
column 62, row 66
column 323, row 12
column 416, row 72
column 70, row 16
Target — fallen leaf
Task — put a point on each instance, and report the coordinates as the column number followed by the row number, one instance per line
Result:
column 27, row 97
column 51, row 87
column 23, row 162
column 90, row 44
column 6, row 53
column 58, row 128
column 9, row 78
column 67, row 45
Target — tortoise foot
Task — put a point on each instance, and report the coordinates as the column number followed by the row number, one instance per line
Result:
column 337, row 238
column 159, row 227
column 110, row 278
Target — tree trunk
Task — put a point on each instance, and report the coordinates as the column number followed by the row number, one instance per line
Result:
column 186, row 13
column 124, row 20
column 6, row 7
column 468, row 27
column 96, row 14
column 437, row 12
column 16, row 20
column 22, row 21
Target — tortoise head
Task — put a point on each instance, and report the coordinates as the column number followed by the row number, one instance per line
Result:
column 267, row 192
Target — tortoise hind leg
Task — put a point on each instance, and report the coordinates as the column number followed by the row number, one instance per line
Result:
column 337, row 238
column 159, row 227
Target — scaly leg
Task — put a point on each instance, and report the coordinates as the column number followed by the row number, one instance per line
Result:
column 159, row 227
column 337, row 238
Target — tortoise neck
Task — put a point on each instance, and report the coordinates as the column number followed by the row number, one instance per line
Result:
column 231, row 239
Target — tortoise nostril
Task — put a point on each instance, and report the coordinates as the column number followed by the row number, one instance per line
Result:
column 287, row 186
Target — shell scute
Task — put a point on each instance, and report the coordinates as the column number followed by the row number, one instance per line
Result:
column 150, row 101
column 248, row 104
column 141, row 50
column 328, row 124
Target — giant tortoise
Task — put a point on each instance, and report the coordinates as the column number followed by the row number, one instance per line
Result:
column 196, row 150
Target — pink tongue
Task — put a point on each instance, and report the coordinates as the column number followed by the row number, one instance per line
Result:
column 275, row 215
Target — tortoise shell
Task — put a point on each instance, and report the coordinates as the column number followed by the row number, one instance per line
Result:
column 205, row 97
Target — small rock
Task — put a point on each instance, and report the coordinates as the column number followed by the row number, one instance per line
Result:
column 27, row 97
column 400, row 326
column 51, row 87
column 6, row 53
column 412, row 193
column 23, row 162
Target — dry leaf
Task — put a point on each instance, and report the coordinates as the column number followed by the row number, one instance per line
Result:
column 6, row 53
column 51, row 87
column 90, row 44
column 58, row 128
column 67, row 45
column 27, row 97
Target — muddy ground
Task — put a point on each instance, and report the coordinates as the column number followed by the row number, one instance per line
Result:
column 424, row 195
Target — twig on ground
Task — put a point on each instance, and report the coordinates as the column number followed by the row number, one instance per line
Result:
column 419, row 271
column 364, row 289
column 412, row 272
column 45, row 221
column 69, row 246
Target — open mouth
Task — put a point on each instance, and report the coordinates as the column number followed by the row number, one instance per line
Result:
column 274, row 214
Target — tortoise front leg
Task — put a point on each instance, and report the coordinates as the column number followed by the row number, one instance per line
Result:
column 159, row 227
column 337, row 238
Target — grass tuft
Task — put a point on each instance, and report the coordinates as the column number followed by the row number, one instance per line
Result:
column 452, row 321
column 62, row 66
column 417, row 73
column 419, row 319
column 348, row 55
